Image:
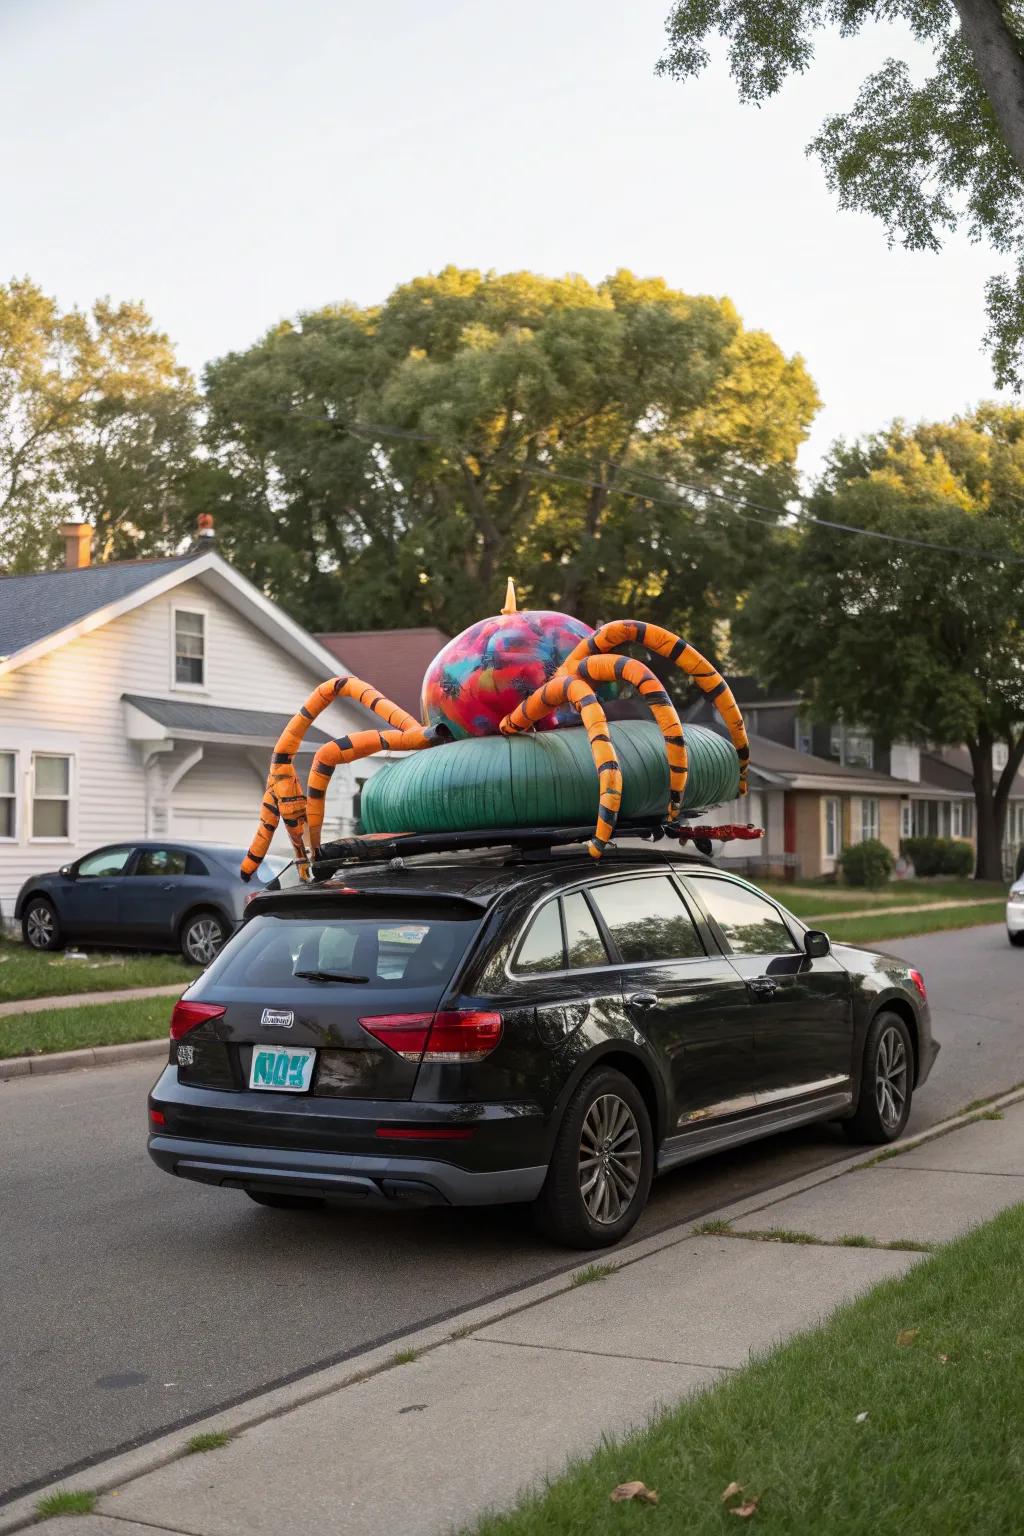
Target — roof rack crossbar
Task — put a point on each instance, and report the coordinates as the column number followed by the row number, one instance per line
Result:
column 381, row 847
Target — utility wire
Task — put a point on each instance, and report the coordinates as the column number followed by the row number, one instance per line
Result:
column 365, row 431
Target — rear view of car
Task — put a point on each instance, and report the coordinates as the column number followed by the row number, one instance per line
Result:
column 328, row 1052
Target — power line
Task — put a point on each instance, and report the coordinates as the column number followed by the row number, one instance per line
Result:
column 359, row 430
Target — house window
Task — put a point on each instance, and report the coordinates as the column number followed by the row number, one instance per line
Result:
column 189, row 647
column 8, row 796
column 969, row 819
column 907, row 819
column 51, row 796
column 868, row 818
column 1000, row 755
column 853, row 747
column 832, row 836
column 956, row 826
column 803, row 737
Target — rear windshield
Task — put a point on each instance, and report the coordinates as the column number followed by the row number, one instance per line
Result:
column 387, row 953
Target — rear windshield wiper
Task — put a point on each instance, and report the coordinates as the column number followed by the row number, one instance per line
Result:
column 328, row 976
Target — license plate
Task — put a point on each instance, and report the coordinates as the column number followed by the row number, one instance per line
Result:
column 282, row 1068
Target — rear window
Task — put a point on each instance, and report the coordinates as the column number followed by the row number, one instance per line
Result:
column 387, row 952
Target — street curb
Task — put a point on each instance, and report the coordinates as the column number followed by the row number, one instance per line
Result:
column 117, row 1470
column 69, row 1061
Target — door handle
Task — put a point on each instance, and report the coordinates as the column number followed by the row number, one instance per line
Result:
column 642, row 999
column 167, row 887
column 762, row 986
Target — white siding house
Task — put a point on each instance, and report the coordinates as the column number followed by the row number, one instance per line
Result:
column 143, row 699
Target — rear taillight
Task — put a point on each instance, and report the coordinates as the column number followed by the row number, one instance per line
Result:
column 918, row 981
column 460, row 1034
column 187, row 1016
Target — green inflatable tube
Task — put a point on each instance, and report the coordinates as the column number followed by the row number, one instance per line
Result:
column 543, row 779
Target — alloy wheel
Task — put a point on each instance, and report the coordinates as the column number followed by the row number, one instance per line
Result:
column 40, row 926
column 203, row 940
column 611, row 1154
column 891, row 1077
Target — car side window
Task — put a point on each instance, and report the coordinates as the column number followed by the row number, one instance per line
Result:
column 161, row 861
column 541, row 946
column 196, row 866
column 109, row 861
column 647, row 919
column 749, row 922
column 583, row 942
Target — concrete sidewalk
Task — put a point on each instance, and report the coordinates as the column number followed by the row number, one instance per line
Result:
column 425, row 1435
column 84, row 999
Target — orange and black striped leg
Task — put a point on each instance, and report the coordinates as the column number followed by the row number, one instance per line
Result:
column 686, row 657
column 611, row 668
column 283, row 783
column 573, row 690
column 270, row 815
column 361, row 744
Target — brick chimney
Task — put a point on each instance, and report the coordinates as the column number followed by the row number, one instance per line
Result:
column 77, row 545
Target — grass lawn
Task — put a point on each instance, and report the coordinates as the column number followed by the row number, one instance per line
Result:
column 70, row 1029
column 26, row 972
column 898, row 925
column 807, row 900
column 934, row 1360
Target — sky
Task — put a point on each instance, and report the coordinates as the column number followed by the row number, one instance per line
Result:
column 233, row 162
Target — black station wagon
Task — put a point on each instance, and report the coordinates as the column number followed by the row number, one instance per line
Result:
column 524, row 1025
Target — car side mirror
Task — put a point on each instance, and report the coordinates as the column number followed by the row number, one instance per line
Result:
column 67, row 871
column 817, row 945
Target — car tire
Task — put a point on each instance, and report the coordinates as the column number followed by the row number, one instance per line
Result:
column 1016, row 939
column 285, row 1202
column 888, row 1072
column 203, row 935
column 601, row 1168
column 40, row 926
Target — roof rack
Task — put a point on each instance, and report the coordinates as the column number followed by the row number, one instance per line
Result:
column 382, row 847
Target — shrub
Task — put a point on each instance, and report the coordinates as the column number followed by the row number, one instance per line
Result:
column 868, row 863
column 939, row 856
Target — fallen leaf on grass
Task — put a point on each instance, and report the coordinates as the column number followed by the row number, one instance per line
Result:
column 860, row 1417
column 745, row 1510
column 639, row 1491
column 732, row 1490
column 907, row 1336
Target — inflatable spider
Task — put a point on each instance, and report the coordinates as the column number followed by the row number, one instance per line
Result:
column 514, row 673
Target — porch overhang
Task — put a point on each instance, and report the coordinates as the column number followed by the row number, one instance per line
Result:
column 153, row 721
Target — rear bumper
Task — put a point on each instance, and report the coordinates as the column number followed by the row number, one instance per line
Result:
column 372, row 1152
column 381, row 1181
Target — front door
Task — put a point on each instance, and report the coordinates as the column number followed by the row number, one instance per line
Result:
column 687, row 1001
column 89, row 902
column 802, row 1008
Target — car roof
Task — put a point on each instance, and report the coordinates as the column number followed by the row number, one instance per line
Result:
column 483, row 877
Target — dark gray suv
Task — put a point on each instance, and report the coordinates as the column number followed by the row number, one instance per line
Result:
column 479, row 1028
column 140, row 895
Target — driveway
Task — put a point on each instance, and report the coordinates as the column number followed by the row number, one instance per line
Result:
column 130, row 1302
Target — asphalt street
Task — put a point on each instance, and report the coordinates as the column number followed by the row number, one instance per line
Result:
column 131, row 1302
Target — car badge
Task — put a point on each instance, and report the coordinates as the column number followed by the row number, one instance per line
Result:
column 277, row 1018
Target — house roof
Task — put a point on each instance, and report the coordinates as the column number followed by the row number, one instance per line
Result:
column 393, row 660
column 42, row 612
column 208, row 722
column 33, row 607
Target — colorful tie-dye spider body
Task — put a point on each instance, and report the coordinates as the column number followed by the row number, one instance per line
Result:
column 512, row 673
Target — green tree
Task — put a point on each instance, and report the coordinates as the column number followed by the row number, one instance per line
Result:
column 925, row 158
column 909, row 639
column 97, row 421
column 393, row 465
